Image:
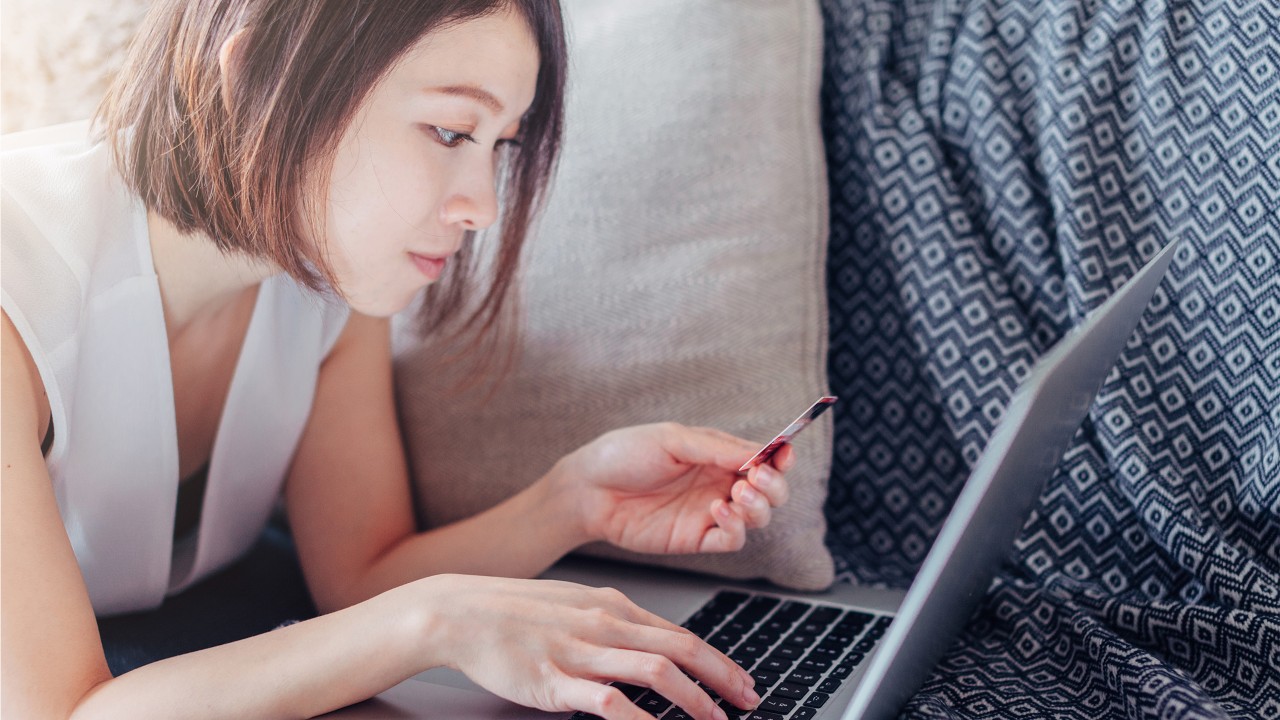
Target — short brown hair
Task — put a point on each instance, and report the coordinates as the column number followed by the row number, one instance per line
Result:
column 236, row 173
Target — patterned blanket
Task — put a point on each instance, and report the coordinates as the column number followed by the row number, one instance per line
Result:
column 998, row 168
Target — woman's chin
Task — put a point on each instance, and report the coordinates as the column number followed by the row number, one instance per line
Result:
column 382, row 304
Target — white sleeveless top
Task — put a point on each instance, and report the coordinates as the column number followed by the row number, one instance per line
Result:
column 79, row 284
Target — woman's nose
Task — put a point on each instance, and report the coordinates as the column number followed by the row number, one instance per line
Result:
column 474, row 204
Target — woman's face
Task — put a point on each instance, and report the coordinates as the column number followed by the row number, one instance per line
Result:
column 416, row 167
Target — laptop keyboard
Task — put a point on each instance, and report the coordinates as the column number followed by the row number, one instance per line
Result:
column 799, row 653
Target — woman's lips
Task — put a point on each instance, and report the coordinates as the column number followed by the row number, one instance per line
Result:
column 431, row 267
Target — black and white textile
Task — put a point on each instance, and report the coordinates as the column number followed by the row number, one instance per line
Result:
column 997, row 169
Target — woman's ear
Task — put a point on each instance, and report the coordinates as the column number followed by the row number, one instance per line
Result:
column 230, row 61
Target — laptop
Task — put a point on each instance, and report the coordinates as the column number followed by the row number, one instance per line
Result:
column 854, row 653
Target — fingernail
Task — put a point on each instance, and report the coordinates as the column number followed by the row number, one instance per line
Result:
column 751, row 697
column 723, row 511
column 749, row 495
column 766, row 476
column 719, row 714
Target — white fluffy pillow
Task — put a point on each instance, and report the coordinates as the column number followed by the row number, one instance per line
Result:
column 678, row 273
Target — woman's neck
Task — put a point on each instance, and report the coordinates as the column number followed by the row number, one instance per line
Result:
column 196, row 278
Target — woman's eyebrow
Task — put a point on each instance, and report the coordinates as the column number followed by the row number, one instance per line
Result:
column 480, row 95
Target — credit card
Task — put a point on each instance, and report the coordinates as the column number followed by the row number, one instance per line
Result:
column 790, row 432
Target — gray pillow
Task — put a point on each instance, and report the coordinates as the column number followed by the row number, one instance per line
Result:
column 678, row 273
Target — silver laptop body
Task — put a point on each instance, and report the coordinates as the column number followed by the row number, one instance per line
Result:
column 977, row 536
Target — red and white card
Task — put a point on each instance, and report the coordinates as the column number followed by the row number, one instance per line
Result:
column 790, row 432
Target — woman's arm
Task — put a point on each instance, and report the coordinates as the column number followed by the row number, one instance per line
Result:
column 49, row 646
column 52, row 658
column 659, row 488
column 350, row 504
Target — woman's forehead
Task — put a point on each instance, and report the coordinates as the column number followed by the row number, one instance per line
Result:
column 492, row 60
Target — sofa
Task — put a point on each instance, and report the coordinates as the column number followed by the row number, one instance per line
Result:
column 905, row 202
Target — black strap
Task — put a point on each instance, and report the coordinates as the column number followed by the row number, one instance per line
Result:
column 190, row 497
column 48, row 441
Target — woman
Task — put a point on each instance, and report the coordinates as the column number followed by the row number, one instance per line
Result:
column 195, row 315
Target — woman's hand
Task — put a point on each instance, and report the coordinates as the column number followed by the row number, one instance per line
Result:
column 667, row 488
column 554, row 645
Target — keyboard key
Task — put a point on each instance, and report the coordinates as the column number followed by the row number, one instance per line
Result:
column 804, row 713
column 764, row 637
column 751, row 650
column 819, row 620
column 849, row 627
column 800, row 639
column 830, row 685
column 777, row 704
column 676, row 713
column 817, row 700
column 776, row 663
column 791, row 611
column 703, row 622
column 653, row 703
column 723, row 642
column 852, row 659
column 584, row 716
column 825, row 652
column 776, row 626
column 816, row 664
column 830, row 644
column 839, row 638
column 791, row 691
column 764, row 679
column 807, row 678
column 826, row 613
column 762, row 715
column 790, row 652
column 841, row 672
column 859, row 618
column 811, row 628
column 631, row 691
column 758, row 608
column 733, row 711
column 726, row 601
column 878, row 627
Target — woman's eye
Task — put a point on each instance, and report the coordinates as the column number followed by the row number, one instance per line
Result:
column 449, row 138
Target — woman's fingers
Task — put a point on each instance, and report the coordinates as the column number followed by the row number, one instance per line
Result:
column 770, row 483
column 651, row 651
column 707, row 446
column 598, row 699
column 753, row 505
column 695, row 656
column 655, row 671
column 784, row 459
column 656, row 634
column 729, row 533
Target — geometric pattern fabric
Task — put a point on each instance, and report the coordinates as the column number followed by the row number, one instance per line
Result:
column 997, row 170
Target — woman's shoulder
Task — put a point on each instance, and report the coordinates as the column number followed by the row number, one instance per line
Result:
column 50, row 170
column 69, row 230
column 64, row 210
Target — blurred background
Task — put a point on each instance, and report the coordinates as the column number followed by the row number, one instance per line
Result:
column 58, row 56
